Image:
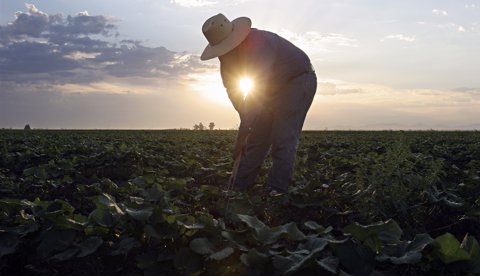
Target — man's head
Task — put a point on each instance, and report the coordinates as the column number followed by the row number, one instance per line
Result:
column 224, row 35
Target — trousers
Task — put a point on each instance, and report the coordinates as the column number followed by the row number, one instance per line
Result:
column 277, row 130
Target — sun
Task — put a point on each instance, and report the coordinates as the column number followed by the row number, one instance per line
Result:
column 246, row 85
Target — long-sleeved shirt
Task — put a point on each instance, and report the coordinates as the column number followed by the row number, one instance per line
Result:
column 270, row 61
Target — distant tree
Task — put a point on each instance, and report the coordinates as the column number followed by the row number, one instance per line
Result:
column 196, row 127
column 201, row 126
column 211, row 126
column 27, row 127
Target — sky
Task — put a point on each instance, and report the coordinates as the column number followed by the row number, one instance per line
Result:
column 134, row 64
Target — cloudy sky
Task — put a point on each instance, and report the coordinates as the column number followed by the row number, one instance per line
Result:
column 135, row 63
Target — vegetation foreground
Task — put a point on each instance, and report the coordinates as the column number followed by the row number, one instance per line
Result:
column 151, row 202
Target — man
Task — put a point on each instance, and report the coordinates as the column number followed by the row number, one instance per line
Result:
column 272, row 115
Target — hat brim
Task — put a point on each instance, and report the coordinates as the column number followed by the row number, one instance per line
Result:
column 241, row 28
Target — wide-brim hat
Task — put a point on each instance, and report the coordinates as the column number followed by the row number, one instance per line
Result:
column 224, row 35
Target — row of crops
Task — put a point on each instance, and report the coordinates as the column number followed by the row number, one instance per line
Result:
column 151, row 203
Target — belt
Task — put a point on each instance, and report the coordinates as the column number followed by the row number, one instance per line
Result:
column 307, row 71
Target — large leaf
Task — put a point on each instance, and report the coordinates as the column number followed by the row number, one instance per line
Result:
column 267, row 235
column 354, row 257
column 419, row 242
column 21, row 229
column 89, row 246
column 125, row 245
column 139, row 214
column 304, row 255
column 109, row 202
column 187, row 262
column 68, row 254
column 330, row 264
column 470, row 244
column 58, row 205
column 253, row 258
column 375, row 235
column 448, row 249
column 201, row 246
column 8, row 243
column 102, row 217
column 222, row 254
column 406, row 252
column 387, row 231
column 292, row 231
column 55, row 240
column 262, row 232
column 252, row 222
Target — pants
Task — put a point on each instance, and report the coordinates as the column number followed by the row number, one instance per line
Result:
column 278, row 130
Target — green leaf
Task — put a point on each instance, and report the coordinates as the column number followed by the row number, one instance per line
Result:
column 66, row 255
column 293, row 232
column 254, row 258
column 139, row 214
column 406, row 252
column 411, row 257
column 60, row 205
column 187, row 262
column 419, row 242
column 387, row 231
column 470, row 244
column 375, row 235
column 55, row 240
column 284, row 264
column 8, row 243
column 89, row 246
column 137, row 200
column 448, row 249
column 262, row 232
column 146, row 259
column 252, row 222
column 125, row 245
column 355, row 258
column 314, row 243
column 109, row 202
column 190, row 226
column 304, row 255
column 330, row 264
column 23, row 229
column 222, row 254
column 314, row 226
column 201, row 246
column 239, row 239
column 102, row 217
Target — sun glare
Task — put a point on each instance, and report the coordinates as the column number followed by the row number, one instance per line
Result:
column 246, row 85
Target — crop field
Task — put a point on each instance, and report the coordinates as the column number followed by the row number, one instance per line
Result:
column 104, row 202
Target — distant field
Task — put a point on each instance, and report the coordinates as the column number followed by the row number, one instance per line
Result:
column 104, row 202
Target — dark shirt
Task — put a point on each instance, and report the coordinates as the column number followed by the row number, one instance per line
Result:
column 270, row 61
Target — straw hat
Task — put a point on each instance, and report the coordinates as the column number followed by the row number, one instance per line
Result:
column 223, row 35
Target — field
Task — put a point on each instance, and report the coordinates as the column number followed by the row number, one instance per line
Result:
column 151, row 203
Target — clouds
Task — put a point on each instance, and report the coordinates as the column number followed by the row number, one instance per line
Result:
column 316, row 44
column 400, row 37
column 439, row 12
column 71, row 71
column 37, row 24
column 332, row 88
column 193, row 3
column 51, row 50
column 203, row 3
column 347, row 105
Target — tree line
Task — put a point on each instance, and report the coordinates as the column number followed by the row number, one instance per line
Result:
column 200, row 126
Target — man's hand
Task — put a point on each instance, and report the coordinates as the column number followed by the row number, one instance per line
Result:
column 240, row 148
